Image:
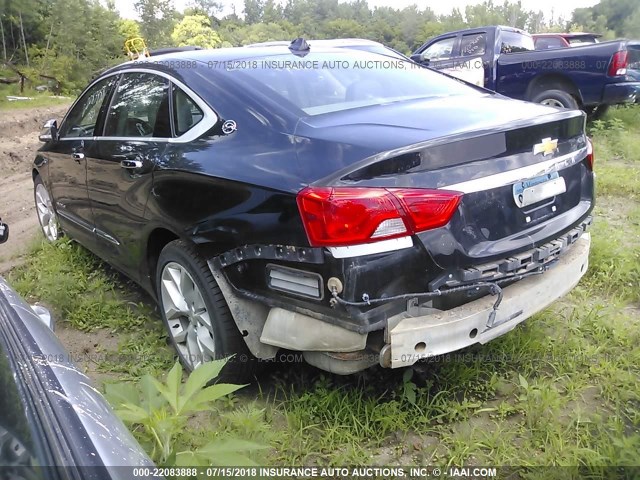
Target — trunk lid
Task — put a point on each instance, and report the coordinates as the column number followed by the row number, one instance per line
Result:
column 521, row 168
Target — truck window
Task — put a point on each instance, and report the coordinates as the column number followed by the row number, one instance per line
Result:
column 514, row 42
column 547, row 43
column 442, row 49
column 473, row 44
column 582, row 40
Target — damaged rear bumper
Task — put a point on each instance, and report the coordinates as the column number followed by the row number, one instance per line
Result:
column 411, row 338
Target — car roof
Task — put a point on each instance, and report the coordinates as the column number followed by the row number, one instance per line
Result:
column 481, row 29
column 332, row 42
column 218, row 56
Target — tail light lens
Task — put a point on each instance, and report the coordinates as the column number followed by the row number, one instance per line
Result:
column 591, row 157
column 618, row 64
column 339, row 216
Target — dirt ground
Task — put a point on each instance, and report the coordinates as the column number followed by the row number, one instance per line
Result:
column 18, row 143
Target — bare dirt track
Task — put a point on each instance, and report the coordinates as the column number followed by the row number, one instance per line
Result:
column 18, row 144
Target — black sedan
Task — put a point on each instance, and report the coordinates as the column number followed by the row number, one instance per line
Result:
column 348, row 205
column 53, row 423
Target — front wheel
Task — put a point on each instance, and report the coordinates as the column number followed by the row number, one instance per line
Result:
column 196, row 315
column 556, row 98
column 46, row 213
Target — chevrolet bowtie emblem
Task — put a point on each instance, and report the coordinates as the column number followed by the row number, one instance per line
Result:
column 546, row 146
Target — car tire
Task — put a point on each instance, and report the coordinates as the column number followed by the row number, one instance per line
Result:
column 196, row 314
column 556, row 98
column 47, row 216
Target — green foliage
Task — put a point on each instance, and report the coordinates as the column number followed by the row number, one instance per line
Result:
column 158, row 413
column 612, row 18
column 195, row 30
column 77, row 286
column 408, row 386
column 59, row 45
column 128, row 28
column 157, row 19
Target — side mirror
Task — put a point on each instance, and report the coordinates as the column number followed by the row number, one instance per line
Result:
column 4, row 232
column 420, row 58
column 49, row 131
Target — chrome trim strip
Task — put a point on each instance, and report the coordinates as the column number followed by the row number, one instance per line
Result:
column 106, row 237
column 371, row 248
column 209, row 119
column 72, row 218
column 512, row 176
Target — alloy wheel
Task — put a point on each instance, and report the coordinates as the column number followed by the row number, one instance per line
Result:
column 46, row 214
column 552, row 102
column 187, row 315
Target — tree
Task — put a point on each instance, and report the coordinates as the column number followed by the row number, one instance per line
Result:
column 210, row 8
column 343, row 28
column 128, row 28
column 157, row 19
column 253, row 11
column 195, row 30
column 620, row 17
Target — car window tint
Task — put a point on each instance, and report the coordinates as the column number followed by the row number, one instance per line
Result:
column 17, row 449
column 546, row 43
column 514, row 42
column 585, row 40
column 186, row 113
column 440, row 50
column 82, row 118
column 140, row 107
column 473, row 44
column 327, row 89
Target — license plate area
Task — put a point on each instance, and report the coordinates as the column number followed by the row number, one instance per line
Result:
column 537, row 189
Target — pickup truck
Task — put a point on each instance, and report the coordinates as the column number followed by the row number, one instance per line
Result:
column 504, row 59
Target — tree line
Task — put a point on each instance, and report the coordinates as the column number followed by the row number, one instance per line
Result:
column 64, row 42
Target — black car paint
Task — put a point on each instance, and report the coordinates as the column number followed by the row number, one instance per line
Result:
column 224, row 191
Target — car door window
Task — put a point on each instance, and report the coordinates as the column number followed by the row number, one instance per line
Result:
column 186, row 114
column 441, row 50
column 83, row 117
column 140, row 107
column 473, row 44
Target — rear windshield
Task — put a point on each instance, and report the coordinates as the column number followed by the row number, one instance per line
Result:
column 324, row 83
column 584, row 40
column 515, row 42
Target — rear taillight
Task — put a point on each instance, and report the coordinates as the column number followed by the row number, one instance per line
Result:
column 338, row 216
column 618, row 64
column 591, row 157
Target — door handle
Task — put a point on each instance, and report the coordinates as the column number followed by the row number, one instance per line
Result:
column 131, row 164
column 77, row 156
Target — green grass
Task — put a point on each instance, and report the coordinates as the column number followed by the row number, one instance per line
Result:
column 87, row 295
column 560, row 390
column 39, row 99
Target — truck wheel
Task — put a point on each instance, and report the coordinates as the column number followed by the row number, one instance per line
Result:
column 556, row 98
column 196, row 315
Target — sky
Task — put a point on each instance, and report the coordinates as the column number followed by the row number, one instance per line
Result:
column 560, row 8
